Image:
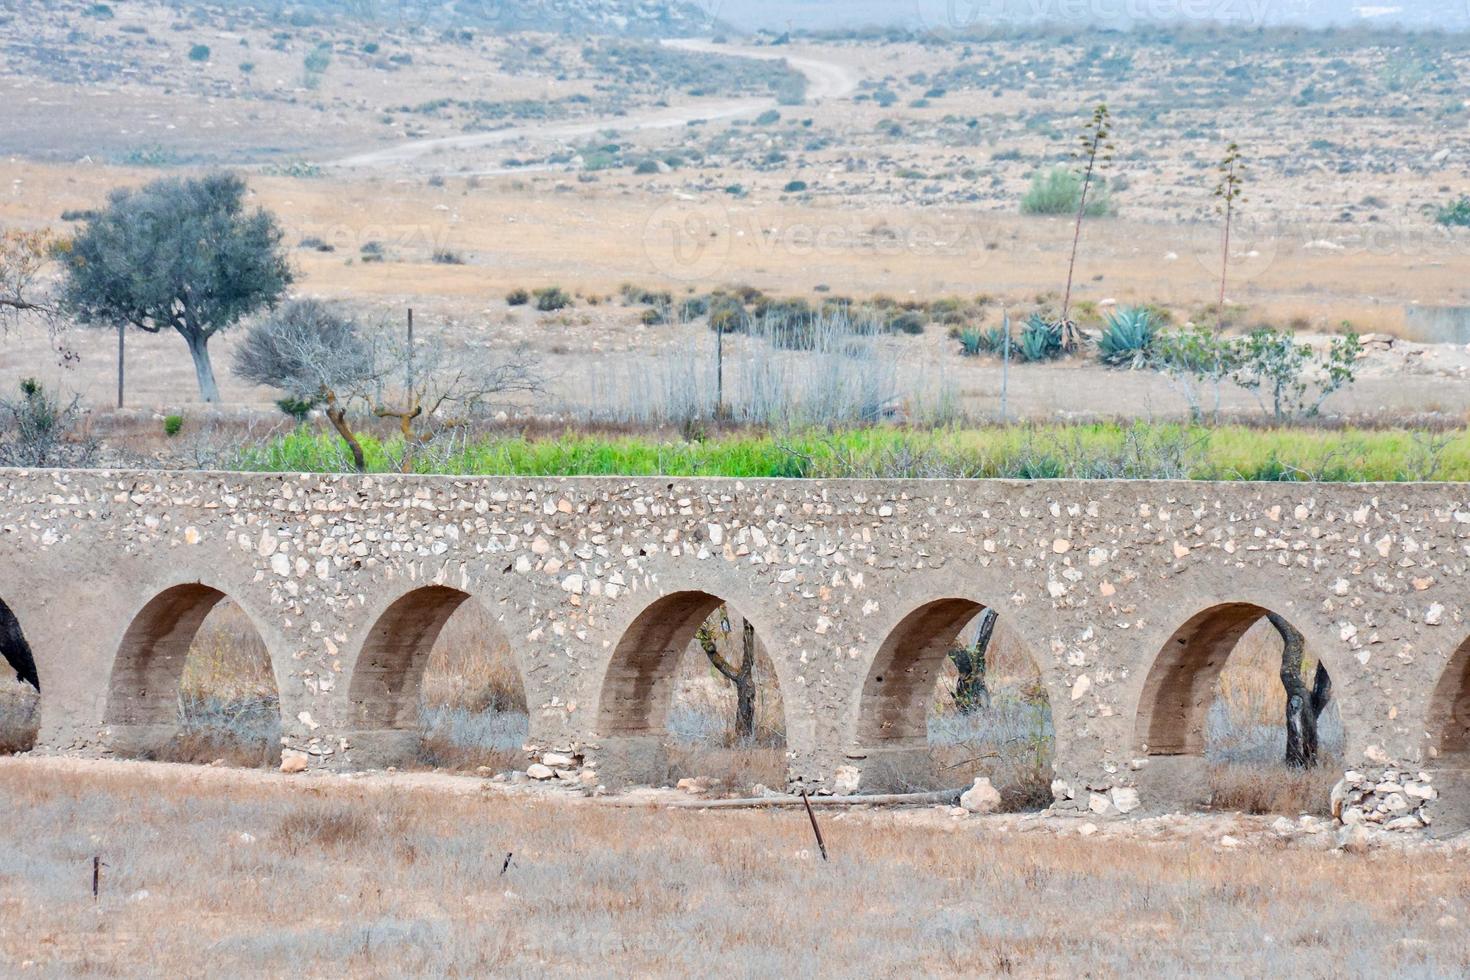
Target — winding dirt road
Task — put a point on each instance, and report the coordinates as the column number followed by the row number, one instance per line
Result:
column 825, row 80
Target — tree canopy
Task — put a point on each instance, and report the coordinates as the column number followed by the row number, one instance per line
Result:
column 180, row 254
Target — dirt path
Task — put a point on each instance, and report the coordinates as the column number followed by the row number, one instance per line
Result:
column 1223, row 830
column 825, row 80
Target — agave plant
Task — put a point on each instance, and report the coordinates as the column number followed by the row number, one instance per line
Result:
column 1040, row 340
column 975, row 341
column 1128, row 338
column 972, row 342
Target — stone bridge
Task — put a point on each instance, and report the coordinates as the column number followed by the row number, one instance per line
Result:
column 1128, row 596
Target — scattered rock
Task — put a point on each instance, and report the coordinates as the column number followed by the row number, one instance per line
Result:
column 1356, row 839
column 982, row 797
column 1125, row 799
column 557, row 760
column 293, row 762
column 1229, row 842
column 537, row 771
column 846, row 780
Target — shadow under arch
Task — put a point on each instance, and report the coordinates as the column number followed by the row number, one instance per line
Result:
column 1171, row 725
column 142, row 713
column 20, row 696
column 1448, row 721
column 638, row 686
column 890, row 733
column 387, row 680
column 1447, row 724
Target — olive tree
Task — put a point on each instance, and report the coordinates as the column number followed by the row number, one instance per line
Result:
column 178, row 254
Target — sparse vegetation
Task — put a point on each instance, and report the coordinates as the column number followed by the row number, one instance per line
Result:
column 552, row 298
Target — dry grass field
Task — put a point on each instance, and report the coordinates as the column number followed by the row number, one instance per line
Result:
column 329, row 878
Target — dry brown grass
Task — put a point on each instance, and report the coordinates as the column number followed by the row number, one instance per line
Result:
column 1273, row 789
column 334, row 879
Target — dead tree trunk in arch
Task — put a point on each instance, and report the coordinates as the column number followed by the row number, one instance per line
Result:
column 742, row 676
column 970, row 691
column 1303, row 706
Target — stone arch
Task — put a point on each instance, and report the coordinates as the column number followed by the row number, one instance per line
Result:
column 142, row 710
column 893, row 710
column 1171, row 722
column 889, row 733
column 1181, row 682
column 639, row 682
column 20, row 694
column 387, row 679
column 1448, row 721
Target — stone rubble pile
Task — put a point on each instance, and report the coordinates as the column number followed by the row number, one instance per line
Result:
column 1392, row 800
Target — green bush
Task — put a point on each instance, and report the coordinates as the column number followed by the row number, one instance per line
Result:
column 517, row 297
column 1059, row 190
column 795, row 187
column 908, row 322
column 1456, row 214
column 199, row 52
column 446, row 256
column 297, row 408
column 172, row 425
column 1127, row 338
column 552, row 298
column 646, row 167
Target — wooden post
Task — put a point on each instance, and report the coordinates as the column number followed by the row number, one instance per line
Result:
column 121, row 334
column 1005, row 366
column 821, row 844
column 720, row 371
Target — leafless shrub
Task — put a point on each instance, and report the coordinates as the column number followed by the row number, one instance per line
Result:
column 39, row 429
column 318, row 354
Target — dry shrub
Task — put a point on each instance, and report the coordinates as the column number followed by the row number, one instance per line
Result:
column 205, row 745
column 330, row 825
column 733, row 772
column 1250, row 684
column 1273, row 788
column 228, row 660
column 1010, row 742
column 440, row 748
column 471, row 666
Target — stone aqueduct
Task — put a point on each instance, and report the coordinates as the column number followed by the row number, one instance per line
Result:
column 1129, row 595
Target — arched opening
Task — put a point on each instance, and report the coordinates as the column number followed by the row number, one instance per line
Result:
column 1448, row 725
column 1449, row 713
column 436, row 686
column 193, row 682
column 691, row 694
column 20, row 688
column 954, row 694
column 1212, row 722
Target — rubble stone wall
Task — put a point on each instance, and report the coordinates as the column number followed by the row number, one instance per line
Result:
column 1127, row 594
